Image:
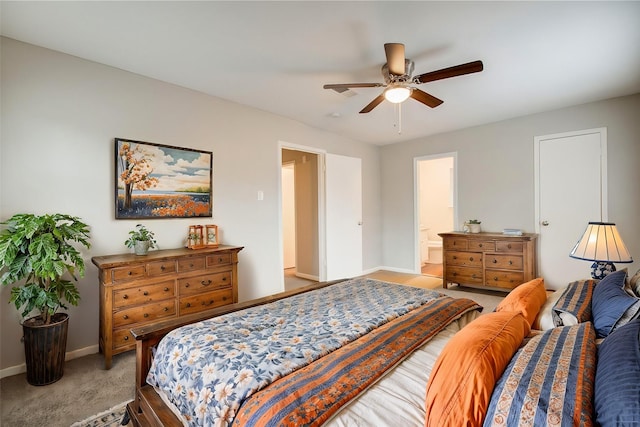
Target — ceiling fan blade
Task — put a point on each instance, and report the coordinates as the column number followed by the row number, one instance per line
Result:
column 373, row 104
column 445, row 73
column 342, row 87
column 395, row 58
column 425, row 98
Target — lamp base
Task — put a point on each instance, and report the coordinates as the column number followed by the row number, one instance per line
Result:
column 600, row 269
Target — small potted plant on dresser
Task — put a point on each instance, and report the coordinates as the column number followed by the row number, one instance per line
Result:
column 39, row 252
column 141, row 240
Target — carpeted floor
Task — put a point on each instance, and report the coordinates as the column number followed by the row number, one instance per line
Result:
column 87, row 388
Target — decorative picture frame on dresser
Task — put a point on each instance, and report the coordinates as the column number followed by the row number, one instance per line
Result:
column 161, row 181
column 212, row 236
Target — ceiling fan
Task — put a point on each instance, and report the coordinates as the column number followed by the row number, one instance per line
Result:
column 397, row 76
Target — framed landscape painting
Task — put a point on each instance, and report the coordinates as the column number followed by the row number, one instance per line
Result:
column 160, row 181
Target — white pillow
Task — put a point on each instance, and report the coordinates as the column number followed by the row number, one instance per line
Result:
column 544, row 320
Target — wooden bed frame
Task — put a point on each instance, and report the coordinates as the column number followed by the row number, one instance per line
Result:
column 148, row 408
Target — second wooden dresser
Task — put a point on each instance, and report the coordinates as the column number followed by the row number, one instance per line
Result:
column 490, row 260
column 137, row 290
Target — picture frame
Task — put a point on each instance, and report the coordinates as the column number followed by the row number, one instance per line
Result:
column 211, row 236
column 161, row 181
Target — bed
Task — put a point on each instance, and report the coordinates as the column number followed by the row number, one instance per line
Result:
column 370, row 353
column 398, row 330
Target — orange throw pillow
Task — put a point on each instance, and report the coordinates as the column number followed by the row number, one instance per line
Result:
column 465, row 373
column 527, row 298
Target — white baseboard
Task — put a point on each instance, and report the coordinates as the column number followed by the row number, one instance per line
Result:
column 20, row 369
column 307, row 276
column 396, row 270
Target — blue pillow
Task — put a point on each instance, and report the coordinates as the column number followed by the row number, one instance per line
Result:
column 617, row 386
column 610, row 303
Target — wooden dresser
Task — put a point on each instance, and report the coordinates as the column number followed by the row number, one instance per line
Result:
column 138, row 290
column 488, row 260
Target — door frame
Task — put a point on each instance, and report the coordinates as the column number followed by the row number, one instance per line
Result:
column 416, row 200
column 604, row 204
column 322, row 243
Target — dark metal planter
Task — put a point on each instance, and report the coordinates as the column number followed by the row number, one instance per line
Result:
column 45, row 347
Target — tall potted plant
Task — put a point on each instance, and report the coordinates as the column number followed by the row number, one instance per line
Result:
column 38, row 256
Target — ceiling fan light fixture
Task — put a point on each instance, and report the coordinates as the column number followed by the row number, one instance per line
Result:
column 397, row 94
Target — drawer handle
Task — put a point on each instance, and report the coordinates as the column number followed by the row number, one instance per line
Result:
column 145, row 293
column 125, row 296
column 125, row 317
column 146, row 315
column 166, row 289
column 126, row 338
column 205, row 282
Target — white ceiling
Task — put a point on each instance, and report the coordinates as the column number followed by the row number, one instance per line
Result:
column 275, row 56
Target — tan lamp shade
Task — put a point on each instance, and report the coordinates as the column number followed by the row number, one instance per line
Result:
column 601, row 242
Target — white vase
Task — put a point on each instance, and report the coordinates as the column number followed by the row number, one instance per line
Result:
column 141, row 247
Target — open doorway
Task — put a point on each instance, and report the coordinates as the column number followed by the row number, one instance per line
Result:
column 435, row 184
column 300, row 231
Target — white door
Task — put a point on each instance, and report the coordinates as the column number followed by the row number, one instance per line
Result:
column 343, row 190
column 570, row 192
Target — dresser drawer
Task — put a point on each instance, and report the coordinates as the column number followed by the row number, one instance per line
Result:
column 507, row 262
column 205, row 301
column 143, row 294
column 482, row 245
column 204, row 283
column 145, row 313
column 459, row 244
column 123, row 337
column 464, row 275
column 123, row 274
column 161, row 267
column 191, row 264
column 506, row 246
column 218, row 259
column 465, row 259
column 504, row 279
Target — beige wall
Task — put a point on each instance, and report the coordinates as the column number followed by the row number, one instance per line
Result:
column 496, row 174
column 60, row 115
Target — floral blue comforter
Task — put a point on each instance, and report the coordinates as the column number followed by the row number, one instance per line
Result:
column 208, row 369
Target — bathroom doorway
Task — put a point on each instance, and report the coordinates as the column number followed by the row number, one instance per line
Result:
column 436, row 211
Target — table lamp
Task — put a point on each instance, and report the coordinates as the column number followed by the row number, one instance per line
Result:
column 602, row 244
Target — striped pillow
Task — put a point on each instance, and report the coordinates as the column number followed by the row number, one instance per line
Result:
column 574, row 305
column 548, row 381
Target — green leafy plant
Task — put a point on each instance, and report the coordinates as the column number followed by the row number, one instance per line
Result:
column 40, row 251
column 142, row 234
